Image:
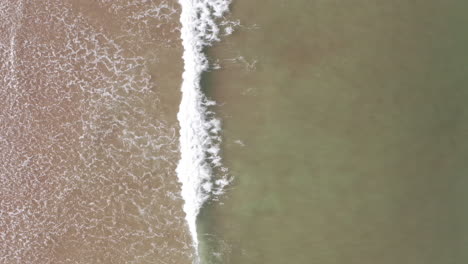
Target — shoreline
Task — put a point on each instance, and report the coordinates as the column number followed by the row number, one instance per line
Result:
column 199, row 143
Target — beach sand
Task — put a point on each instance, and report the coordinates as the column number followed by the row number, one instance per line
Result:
column 88, row 133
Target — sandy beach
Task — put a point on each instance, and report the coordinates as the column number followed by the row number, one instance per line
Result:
column 88, row 133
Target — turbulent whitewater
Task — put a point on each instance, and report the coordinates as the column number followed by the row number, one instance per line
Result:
column 199, row 130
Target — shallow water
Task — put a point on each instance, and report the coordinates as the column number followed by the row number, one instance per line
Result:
column 344, row 126
column 88, row 133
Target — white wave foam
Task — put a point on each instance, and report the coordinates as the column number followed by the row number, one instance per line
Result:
column 199, row 130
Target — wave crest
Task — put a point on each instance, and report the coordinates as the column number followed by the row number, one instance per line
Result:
column 199, row 129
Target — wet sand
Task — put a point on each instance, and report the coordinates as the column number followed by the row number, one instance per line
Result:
column 88, row 133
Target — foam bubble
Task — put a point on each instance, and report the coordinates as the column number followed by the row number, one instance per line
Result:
column 199, row 139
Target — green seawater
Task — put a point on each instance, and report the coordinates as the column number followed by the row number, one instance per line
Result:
column 346, row 130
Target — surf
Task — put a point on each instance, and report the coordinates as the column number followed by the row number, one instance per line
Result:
column 199, row 129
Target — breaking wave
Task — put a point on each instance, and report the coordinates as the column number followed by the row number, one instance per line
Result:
column 199, row 129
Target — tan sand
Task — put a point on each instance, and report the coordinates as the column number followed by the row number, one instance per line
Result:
column 88, row 134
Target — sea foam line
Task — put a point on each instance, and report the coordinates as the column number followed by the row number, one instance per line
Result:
column 199, row 131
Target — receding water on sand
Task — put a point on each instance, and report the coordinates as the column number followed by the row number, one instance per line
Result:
column 88, row 133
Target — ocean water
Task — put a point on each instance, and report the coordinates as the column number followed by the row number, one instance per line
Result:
column 211, row 131
column 344, row 126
